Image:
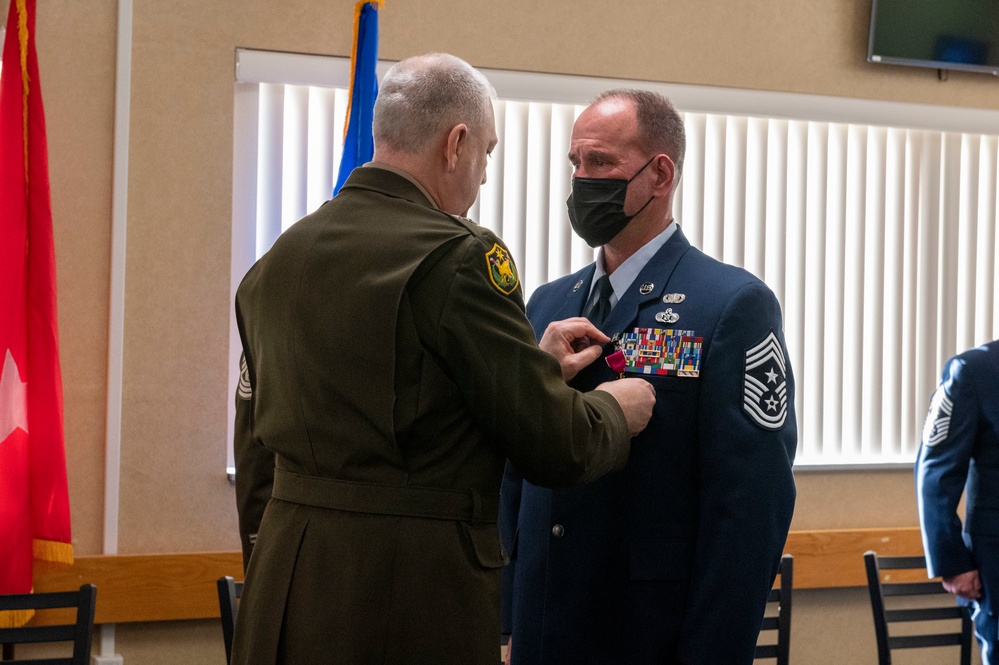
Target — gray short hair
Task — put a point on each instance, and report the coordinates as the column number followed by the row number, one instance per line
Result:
column 423, row 96
column 659, row 123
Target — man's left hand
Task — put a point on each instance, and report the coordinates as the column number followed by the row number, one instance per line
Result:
column 574, row 342
column 966, row 585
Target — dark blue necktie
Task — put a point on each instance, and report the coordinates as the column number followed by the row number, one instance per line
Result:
column 599, row 306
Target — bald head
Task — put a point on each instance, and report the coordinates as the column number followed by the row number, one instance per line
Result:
column 423, row 97
column 660, row 126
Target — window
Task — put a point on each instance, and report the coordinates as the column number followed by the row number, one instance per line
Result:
column 873, row 222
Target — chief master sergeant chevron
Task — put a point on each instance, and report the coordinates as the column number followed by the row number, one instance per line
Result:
column 671, row 559
column 389, row 371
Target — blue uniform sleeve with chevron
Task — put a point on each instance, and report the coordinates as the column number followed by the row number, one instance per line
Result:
column 942, row 469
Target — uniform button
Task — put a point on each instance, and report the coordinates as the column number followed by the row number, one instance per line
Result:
column 558, row 531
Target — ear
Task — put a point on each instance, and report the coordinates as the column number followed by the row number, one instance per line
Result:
column 665, row 174
column 455, row 145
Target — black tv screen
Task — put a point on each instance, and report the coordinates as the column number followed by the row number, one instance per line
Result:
column 942, row 34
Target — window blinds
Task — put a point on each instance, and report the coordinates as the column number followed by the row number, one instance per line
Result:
column 879, row 241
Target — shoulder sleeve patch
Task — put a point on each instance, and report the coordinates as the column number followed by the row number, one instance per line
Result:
column 937, row 423
column 502, row 271
column 244, row 390
column 764, row 396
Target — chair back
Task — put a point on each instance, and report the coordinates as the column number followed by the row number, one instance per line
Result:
column 779, row 599
column 886, row 613
column 80, row 632
column 229, row 593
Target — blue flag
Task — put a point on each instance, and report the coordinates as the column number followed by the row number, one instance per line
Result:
column 358, row 143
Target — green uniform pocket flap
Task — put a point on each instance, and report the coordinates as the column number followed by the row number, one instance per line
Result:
column 485, row 543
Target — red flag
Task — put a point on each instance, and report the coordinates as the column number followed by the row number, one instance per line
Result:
column 34, row 499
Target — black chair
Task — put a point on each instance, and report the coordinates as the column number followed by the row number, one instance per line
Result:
column 229, row 593
column 80, row 633
column 780, row 597
column 946, row 608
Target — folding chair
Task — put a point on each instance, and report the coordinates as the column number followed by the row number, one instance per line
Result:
column 80, row 632
column 780, row 597
column 883, row 615
column 229, row 593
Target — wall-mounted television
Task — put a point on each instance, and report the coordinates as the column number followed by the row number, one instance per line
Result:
column 940, row 34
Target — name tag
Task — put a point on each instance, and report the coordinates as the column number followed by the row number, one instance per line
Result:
column 661, row 351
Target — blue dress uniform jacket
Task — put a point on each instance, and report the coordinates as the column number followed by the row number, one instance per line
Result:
column 671, row 559
column 960, row 451
column 389, row 371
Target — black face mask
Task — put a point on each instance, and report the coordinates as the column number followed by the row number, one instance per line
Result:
column 596, row 207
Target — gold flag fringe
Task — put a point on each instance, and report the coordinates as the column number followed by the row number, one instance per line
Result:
column 52, row 550
column 45, row 550
column 22, row 39
column 15, row 618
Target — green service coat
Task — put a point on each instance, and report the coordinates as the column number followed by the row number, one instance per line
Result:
column 389, row 371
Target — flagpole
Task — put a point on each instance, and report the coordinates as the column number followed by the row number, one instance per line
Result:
column 116, row 327
column 358, row 143
column 116, row 315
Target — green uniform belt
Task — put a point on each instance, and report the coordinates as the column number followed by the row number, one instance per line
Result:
column 401, row 500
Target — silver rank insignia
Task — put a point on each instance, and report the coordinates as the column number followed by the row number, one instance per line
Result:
column 765, row 384
column 646, row 289
column 674, row 298
column 937, row 424
column 669, row 316
column 578, row 284
column 243, row 389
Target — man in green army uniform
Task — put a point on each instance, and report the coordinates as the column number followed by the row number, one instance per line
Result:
column 389, row 371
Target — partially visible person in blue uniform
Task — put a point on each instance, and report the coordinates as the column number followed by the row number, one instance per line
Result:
column 960, row 452
column 671, row 559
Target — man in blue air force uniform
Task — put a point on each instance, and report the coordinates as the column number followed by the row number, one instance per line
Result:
column 960, row 451
column 671, row 559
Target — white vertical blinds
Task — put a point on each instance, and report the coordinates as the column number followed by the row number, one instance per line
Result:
column 298, row 151
column 527, row 183
column 880, row 242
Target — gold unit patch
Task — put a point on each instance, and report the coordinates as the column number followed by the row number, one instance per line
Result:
column 502, row 271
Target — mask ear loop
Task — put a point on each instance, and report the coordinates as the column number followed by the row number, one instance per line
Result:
column 640, row 170
column 631, row 217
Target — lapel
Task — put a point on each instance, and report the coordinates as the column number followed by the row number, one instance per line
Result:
column 575, row 301
column 656, row 272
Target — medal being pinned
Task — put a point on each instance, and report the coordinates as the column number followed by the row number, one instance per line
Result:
column 617, row 362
